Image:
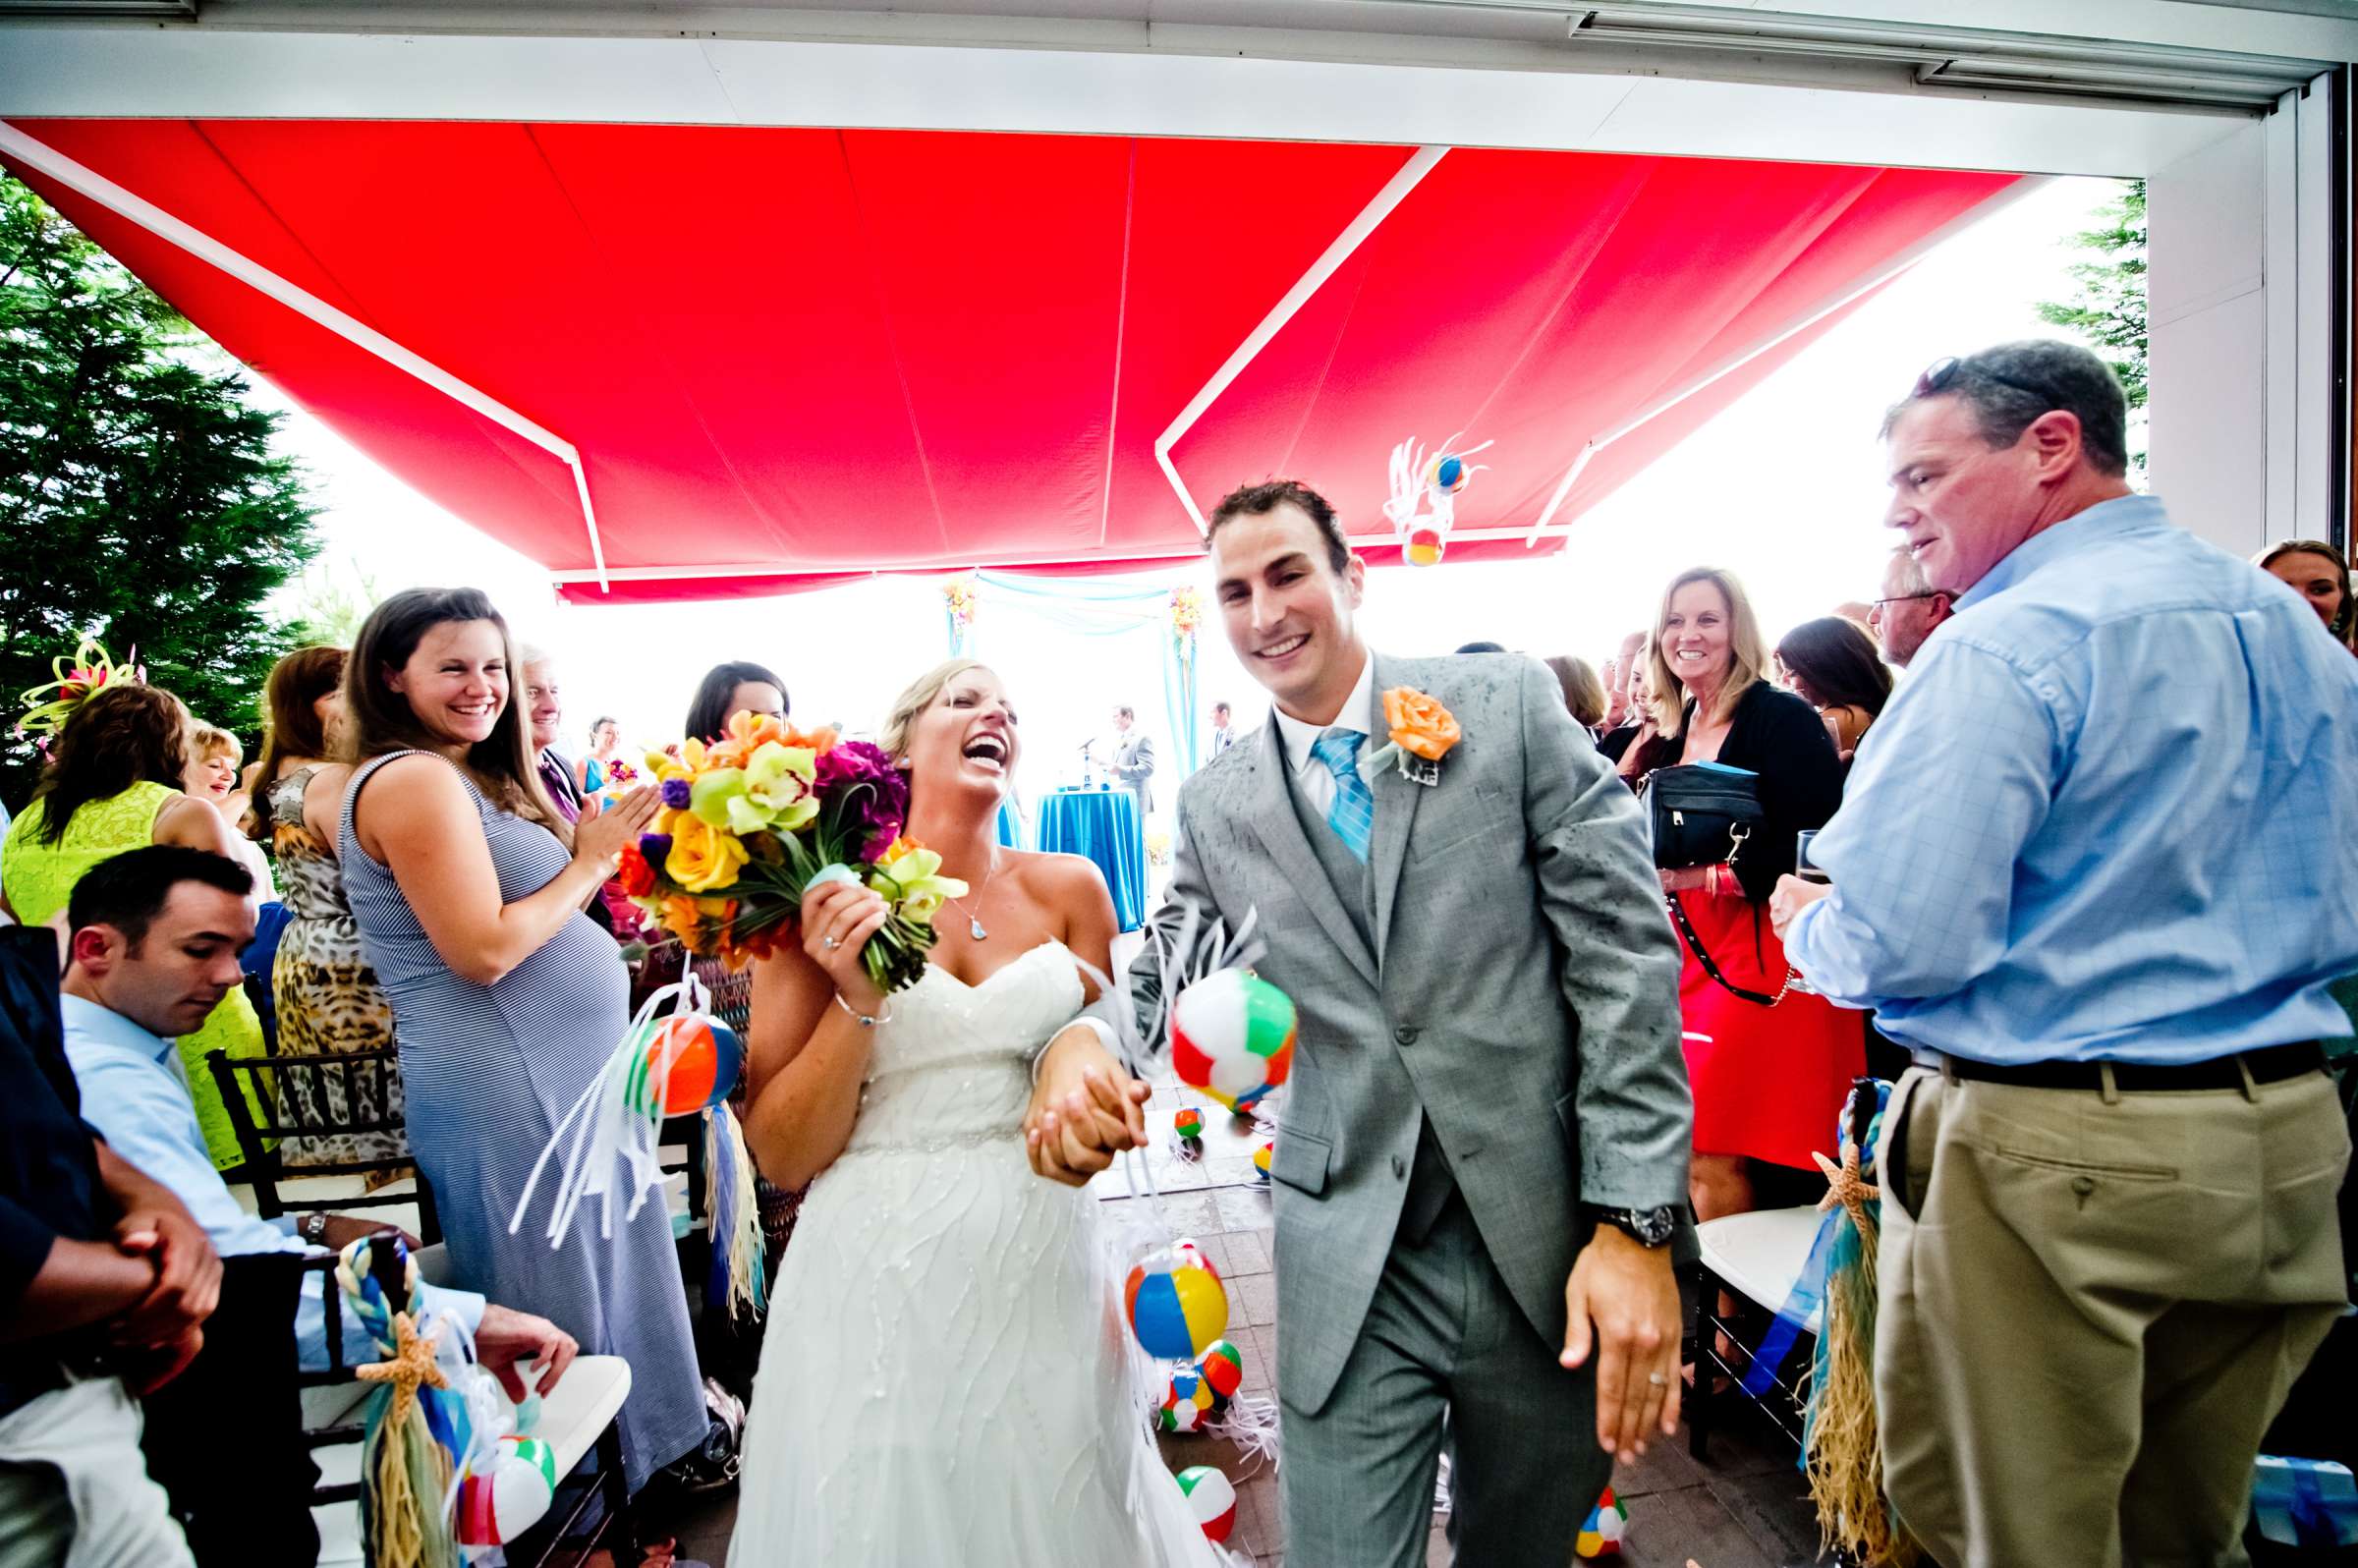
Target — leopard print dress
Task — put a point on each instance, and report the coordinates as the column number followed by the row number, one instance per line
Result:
column 329, row 1000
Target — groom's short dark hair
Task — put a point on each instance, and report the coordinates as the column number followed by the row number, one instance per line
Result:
column 1259, row 501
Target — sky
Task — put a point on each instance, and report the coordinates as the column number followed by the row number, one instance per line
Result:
column 1784, row 488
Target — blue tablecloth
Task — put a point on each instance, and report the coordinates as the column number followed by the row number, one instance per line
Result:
column 1011, row 827
column 1103, row 826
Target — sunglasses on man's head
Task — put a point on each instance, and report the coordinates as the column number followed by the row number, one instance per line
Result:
column 1942, row 373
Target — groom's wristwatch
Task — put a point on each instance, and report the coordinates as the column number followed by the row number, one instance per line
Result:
column 1648, row 1227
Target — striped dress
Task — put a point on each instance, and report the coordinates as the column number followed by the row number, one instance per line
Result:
column 488, row 1070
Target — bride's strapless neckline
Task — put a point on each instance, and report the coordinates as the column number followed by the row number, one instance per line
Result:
column 1050, row 944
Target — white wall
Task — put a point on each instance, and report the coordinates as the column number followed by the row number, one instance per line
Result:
column 2239, row 314
column 2207, row 312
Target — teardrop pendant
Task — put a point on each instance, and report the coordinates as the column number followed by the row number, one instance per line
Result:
column 974, row 928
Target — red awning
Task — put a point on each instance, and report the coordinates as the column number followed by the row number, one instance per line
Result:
column 787, row 354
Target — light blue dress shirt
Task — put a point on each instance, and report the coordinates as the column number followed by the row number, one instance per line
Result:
column 132, row 1093
column 2111, row 814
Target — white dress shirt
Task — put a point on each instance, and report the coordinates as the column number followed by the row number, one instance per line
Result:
column 1356, row 716
column 132, row 1093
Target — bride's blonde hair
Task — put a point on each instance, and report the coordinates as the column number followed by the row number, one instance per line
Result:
column 917, row 695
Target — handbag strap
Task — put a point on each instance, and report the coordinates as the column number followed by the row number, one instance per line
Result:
column 1679, row 913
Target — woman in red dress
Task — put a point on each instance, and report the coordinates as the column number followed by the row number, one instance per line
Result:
column 1768, row 1080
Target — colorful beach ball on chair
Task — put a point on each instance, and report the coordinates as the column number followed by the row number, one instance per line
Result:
column 1176, row 1302
column 494, row 1509
column 1232, row 1036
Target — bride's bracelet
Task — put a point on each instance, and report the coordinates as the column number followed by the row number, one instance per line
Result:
column 882, row 1015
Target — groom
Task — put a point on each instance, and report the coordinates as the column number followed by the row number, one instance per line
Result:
column 1485, row 1138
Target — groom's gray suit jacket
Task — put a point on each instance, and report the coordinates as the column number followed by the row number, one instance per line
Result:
column 1520, row 993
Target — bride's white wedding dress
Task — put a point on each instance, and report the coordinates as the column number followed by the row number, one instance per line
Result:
column 943, row 1379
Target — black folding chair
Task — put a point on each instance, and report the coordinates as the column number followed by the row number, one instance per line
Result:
column 297, row 1086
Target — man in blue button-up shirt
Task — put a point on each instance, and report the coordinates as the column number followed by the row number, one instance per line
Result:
column 155, row 940
column 2097, row 864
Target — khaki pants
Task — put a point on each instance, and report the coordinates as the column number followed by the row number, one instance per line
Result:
column 74, row 1487
column 2092, row 1305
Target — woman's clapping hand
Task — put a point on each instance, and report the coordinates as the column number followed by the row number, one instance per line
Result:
column 602, row 831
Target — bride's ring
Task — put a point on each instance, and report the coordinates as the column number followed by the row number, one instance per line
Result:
column 1658, row 1380
column 830, row 944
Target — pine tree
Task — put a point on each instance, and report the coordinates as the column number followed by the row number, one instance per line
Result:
column 2109, row 312
column 141, row 500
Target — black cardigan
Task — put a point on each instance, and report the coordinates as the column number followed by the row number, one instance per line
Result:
column 1781, row 738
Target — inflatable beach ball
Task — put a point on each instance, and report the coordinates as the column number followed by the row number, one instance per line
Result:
column 1600, row 1535
column 1447, row 473
column 1188, row 1123
column 704, row 1056
column 496, row 1509
column 1224, row 1372
column 1262, row 1157
column 1176, row 1302
column 1211, row 1498
column 1232, row 1036
column 1425, row 546
column 1187, row 1404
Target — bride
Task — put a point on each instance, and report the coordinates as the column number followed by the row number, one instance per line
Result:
column 944, row 1375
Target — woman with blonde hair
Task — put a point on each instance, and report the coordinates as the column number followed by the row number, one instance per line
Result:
column 942, row 1296
column 213, row 777
column 1769, row 1065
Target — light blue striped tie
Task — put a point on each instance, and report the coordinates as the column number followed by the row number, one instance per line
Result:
column 1352, row 816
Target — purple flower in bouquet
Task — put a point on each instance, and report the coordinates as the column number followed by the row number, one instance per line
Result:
column 656, row 847
column 675, row 794
column 877, row 814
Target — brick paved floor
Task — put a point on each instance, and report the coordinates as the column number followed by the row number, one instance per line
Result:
column 1746, row 1508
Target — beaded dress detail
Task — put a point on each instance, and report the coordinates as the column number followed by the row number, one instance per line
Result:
column 944, row 1378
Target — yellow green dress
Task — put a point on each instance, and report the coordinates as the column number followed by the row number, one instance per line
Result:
column 39, row 877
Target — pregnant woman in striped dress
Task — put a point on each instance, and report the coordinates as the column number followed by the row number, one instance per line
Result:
column 506, row 998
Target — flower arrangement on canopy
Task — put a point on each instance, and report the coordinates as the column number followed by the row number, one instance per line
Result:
column 1187, row 611
column 960, row 598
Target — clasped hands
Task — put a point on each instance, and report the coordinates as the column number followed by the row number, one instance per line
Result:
column 160, row 1334
column 1085, row 1110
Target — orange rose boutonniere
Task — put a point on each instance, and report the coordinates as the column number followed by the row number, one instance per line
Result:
column 1422, row 732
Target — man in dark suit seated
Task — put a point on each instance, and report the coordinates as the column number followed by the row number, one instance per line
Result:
column 105, row 1285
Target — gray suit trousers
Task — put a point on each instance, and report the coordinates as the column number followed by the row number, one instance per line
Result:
column 1443, row 1334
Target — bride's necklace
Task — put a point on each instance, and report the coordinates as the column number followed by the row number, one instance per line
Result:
column 974, row 927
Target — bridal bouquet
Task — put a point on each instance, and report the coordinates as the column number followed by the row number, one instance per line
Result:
column 751, row 823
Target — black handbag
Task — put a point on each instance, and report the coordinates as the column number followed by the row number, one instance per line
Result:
column 1702, row 812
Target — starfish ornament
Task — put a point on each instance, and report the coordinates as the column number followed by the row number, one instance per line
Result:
column 410, row 1367
column 1844, row 1186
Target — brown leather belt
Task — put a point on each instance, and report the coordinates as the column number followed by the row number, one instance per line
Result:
column 2270, row 1066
